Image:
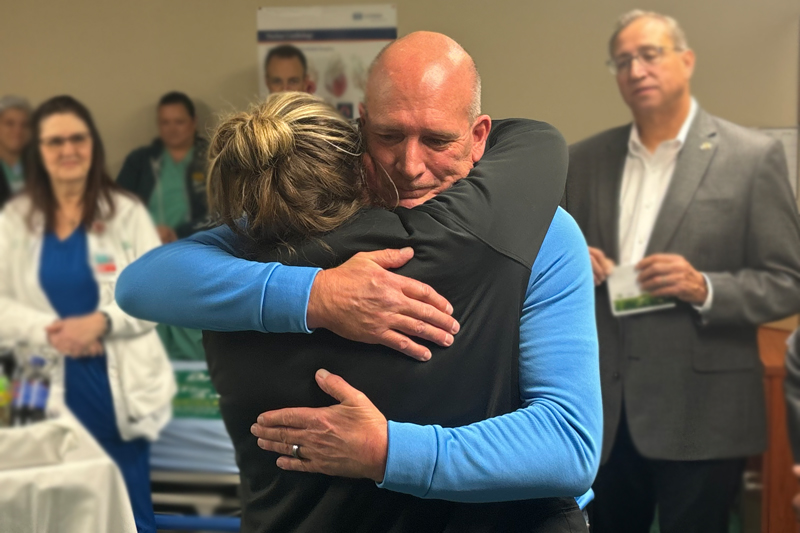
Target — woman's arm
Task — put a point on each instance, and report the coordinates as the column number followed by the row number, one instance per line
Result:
column 79, row 335
column 18, row 321
column 199, row 282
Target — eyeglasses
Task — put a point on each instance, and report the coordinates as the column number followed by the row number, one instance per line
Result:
column 77, row 140
column 647, row 55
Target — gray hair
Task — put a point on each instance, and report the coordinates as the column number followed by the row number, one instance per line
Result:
column 475, row 104
column 675, row 31
column 14, row 102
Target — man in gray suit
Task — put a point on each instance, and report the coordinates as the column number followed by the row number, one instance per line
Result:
column 704, row 211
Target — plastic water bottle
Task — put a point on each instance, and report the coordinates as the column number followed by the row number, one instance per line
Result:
column 21, row 398
column 31, row 386
column 39, row 381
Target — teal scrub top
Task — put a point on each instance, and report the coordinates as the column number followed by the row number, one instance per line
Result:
column 169, row 204
column 14, row 175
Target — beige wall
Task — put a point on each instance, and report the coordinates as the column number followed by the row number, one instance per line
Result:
column 538, row 59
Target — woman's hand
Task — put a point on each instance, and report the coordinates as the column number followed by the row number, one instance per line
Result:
column 78, row 336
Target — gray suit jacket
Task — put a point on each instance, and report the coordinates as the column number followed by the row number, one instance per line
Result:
column 693, row 390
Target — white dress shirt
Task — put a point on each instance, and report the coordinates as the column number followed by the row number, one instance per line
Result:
column 645, row 181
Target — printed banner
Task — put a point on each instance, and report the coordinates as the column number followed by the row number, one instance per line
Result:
column 339, row 43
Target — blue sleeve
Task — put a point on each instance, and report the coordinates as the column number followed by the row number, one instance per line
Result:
column 199, row 282
column 549, row 447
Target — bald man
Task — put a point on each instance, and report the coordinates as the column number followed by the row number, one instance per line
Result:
column 423, row 127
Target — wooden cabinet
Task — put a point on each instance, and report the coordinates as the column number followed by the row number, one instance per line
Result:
column 779, row 485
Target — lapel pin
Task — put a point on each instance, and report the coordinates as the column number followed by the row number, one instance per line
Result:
column 706, row 146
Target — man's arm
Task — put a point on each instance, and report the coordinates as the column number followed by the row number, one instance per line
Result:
column 128, row 177
column 510, row 196
column 199, row 283
column 769, row 287
column 549, row 447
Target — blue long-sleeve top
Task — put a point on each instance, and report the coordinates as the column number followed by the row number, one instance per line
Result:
column 549, row 447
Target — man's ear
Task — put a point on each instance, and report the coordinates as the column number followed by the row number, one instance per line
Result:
column 311, row 85
column 689, row 59
column 362, row 113
column 480, row 133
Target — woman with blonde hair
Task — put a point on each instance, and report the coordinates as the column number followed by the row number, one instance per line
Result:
column 63, row 242
column 289, row 181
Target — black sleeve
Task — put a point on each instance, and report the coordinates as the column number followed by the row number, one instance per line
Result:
column 128, row 177
column 509, row 198
column 5, row 188
column 186, row 228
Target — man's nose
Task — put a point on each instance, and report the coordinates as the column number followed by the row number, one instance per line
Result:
column 637, row 70
column 410, row 162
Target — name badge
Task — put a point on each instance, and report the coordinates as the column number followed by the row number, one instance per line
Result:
column 104, row 264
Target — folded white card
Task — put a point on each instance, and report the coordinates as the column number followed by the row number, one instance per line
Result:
column 627, row 298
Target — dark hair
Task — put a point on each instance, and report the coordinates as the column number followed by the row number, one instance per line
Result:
column 99, row 184
column 286, row 51
column 176, row 97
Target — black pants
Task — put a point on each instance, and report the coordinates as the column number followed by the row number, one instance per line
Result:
column 545, row 515
column 692, row 496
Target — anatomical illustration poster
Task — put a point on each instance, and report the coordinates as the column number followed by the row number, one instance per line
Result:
column 338, row 42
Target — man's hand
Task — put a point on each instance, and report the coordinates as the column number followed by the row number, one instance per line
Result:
column 362, row 301
column 796, row 499
column 349, row 439
column 77, row 336
column 670, row 275
column 166, row 234
column 602, row 266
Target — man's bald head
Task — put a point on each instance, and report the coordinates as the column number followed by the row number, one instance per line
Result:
column 421, row 115
column 427, row 58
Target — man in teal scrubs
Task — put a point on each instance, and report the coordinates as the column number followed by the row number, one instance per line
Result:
column 169, row 176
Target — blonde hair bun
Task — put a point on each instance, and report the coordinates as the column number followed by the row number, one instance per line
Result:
column 291, row 166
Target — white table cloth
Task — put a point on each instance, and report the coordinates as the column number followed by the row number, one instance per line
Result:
column 81, row 490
